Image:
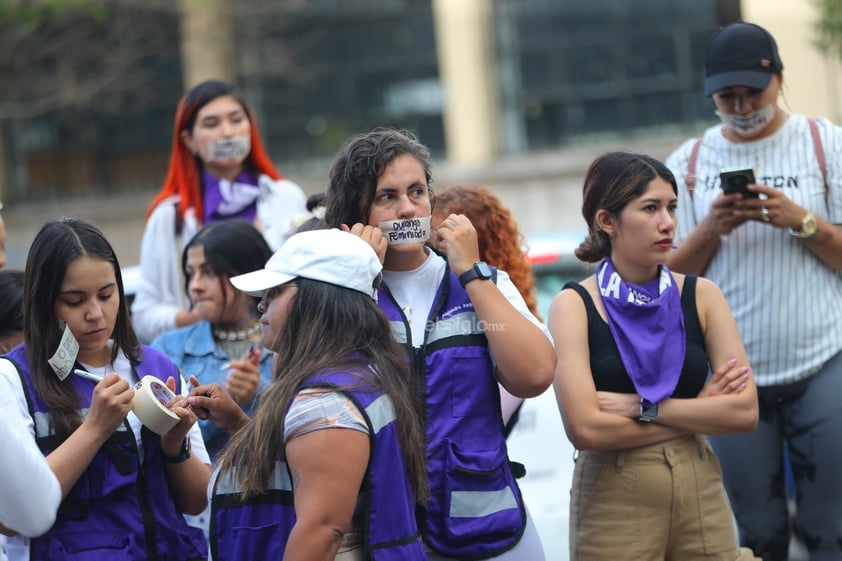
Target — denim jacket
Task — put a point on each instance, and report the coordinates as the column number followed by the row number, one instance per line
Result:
column 194, row 351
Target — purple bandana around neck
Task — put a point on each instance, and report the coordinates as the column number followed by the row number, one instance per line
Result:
column 648, row 327
column 230, row 199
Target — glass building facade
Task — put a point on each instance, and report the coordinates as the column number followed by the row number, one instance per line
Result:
column 567, row 72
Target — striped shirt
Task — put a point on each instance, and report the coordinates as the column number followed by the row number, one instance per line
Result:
column 786, row 301
column 316, row 409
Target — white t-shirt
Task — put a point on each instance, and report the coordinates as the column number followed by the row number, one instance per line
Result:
column 17, row 547
column 786, row 301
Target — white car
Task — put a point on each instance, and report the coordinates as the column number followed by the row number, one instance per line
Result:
column 131, row 282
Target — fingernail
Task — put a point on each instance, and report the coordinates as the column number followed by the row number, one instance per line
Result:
column 743, row 386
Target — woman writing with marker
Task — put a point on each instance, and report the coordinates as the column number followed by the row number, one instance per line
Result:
column 124, row 487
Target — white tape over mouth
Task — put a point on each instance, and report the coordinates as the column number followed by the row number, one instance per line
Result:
column 150, row 405
column 229, row 148
column 408, row 230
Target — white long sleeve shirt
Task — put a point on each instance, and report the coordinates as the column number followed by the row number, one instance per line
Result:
column 29, row 491
column 160, row 294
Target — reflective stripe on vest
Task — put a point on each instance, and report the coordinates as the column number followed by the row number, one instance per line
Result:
column 41, row 420
column 279, row 481
column 380, row 411
column 399, row 332
column 465, row 323
column 475, row 504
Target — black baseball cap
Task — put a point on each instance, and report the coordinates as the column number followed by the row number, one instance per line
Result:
column 741, row 54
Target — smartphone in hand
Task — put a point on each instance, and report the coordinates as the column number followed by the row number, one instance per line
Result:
column 737, row 180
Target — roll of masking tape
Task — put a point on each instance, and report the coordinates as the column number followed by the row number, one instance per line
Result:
column 150, row 405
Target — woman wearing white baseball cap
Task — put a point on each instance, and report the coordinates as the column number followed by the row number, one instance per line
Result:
column 333, row 459
column 772, row 242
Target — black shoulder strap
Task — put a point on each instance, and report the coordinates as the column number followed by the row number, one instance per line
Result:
column 25, row 386
column 590, row 307
column 689, row 286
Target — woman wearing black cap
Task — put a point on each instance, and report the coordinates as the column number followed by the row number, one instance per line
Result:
column 773, row 244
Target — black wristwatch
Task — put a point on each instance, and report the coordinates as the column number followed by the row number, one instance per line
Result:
column 480, row 270
column 648, row 411
column 183, row 456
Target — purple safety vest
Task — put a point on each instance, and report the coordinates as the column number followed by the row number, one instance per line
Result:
column 475, row 510
column 119, row 508
column 259, row 527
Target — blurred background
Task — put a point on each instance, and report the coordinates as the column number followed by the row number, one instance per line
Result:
column 518, row 95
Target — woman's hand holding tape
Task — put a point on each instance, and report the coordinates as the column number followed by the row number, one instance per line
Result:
column 173, row 440
column 211, row 401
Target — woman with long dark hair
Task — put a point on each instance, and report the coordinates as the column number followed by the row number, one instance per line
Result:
column 224, row 345
column 124, row 487
column 333, row 460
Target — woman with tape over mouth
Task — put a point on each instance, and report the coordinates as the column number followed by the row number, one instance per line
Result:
column 776, row 253
column 332, row 462
column 124, row 487
column 437, row 309
column 218, row 170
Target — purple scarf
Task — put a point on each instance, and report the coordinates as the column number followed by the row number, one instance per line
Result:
column 648, row 327
column 227, row 199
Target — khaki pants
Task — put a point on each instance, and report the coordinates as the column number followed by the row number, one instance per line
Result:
column 656, row 503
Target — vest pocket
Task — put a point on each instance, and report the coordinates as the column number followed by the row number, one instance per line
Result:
column 253, row 541
column 474, row 389
column 479, row 498
column 89, row 545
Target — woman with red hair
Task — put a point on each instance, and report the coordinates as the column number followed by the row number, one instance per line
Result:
column 218, row 171
column 501, row 244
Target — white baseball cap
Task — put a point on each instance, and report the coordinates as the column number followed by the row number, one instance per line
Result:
column 330, row 256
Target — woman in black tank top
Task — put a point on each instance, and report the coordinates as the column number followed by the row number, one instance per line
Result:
column 634, row 344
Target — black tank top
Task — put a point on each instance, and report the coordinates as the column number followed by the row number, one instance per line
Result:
column 610, row 375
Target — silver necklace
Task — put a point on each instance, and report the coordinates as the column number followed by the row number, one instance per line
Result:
column 236, row 334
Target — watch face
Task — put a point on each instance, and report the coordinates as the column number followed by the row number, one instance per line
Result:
column 483, row 270
column 809, row 226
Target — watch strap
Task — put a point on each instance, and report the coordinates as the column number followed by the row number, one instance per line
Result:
column 808, row 227
column 183, row 456
column 648, row 412
column 473, row 273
